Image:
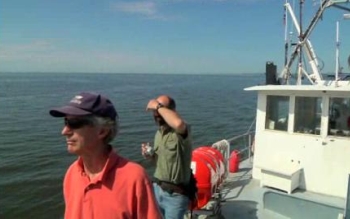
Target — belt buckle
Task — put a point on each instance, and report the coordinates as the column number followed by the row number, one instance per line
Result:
column 166, row 187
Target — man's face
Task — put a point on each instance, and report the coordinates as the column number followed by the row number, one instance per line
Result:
column 81, row 134
column 158, row 119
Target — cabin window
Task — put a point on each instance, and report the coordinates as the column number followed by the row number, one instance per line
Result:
column 307, row 115
column 277, row 108
column 339, row 116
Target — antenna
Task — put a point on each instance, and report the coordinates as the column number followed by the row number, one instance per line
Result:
column 347, row 16
column 285, row 21
column 337, row 52
column 301, row 39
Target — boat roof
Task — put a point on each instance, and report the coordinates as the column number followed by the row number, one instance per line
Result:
column 331, row 86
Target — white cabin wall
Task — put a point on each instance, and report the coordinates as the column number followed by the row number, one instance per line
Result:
column 324, row 159
column 316, row 156
column 260, row 126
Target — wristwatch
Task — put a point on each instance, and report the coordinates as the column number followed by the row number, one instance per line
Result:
column 159, row 106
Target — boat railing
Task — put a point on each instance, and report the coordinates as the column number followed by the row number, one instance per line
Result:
column 241, row 145
column 244, row 144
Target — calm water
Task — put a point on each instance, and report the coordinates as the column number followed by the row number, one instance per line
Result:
column 33, row 157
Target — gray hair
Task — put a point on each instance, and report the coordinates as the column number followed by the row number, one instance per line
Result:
column 112, row 125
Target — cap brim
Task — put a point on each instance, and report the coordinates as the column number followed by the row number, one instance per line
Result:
column 68, row 110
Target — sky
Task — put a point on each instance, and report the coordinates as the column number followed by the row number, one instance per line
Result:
column 157, row 36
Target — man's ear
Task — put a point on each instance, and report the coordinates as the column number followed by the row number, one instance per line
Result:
column 103, row 132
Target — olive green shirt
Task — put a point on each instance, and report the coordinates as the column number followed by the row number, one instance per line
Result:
column 173, row 156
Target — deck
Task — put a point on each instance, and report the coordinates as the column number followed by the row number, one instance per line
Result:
column 242, row 197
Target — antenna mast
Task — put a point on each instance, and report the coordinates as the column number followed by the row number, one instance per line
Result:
column 285, row 21
column 337, row 52
column 301, row 39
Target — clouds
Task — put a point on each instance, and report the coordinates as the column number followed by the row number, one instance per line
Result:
column 138, row 36
column 52, row 56
column 146, row 8
column 25, row 50
column 156, row 9
column 46, row 56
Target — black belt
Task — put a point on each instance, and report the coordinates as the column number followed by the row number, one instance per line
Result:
column 170, row 187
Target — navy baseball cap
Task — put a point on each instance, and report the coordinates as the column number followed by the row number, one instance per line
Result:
column 87, row 103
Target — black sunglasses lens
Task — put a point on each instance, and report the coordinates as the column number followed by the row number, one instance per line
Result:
column 76, row 123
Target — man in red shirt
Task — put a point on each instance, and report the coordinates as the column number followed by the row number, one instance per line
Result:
column 100, row 184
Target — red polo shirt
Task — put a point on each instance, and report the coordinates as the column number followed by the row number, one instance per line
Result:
column 122, row 191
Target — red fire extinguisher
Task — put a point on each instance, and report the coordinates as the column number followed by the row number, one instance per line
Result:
column 234, row 161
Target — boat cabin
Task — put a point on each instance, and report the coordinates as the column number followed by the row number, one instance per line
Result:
column 302, row 137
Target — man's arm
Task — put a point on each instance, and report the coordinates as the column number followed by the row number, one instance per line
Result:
column 173, row 119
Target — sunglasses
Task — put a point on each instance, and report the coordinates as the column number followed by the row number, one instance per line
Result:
column 77, row 123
